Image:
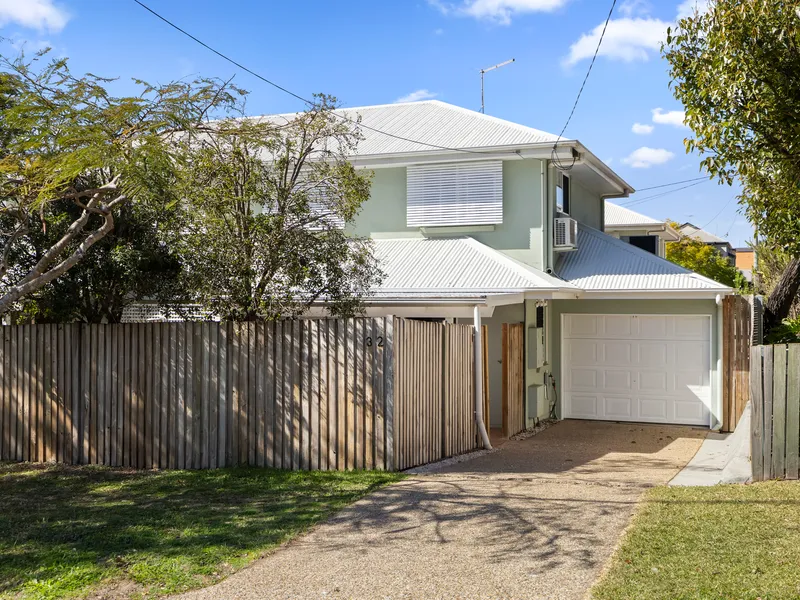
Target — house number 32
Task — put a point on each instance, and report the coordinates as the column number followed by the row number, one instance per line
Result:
column 378, row 341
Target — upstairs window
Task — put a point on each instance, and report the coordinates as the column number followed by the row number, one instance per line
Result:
column 455, row 194
column 562, row 193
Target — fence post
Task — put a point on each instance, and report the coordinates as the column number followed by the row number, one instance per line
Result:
column 757, row 416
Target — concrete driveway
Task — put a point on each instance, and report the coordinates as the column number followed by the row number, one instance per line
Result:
column 536, row 519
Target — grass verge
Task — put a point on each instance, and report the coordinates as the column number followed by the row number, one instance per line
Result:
column 726, row 541
column 78, row 531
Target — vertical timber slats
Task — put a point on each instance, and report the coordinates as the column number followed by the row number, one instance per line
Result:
column 331, row 394
column 775, row 405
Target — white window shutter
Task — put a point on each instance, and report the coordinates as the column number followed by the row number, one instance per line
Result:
column 455, row 194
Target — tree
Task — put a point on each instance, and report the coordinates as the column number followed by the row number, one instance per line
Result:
column 128, row 264
column 771, row 266
column 736, row 69
column 701, row 258
column 263, row 203
column 67, row 139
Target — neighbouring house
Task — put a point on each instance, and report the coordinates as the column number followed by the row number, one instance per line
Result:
column 723, row 246
column 483, row 221
column 639, row 230
column 745, row 259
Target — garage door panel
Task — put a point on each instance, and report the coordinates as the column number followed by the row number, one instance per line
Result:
column 617, row 326
column 618, row 407
column 690, row 327
column 654, row 354
column 653, row 381
column 616, row 353
column 692, row 383
column 616, row 380
column 689, row 412
column 689, row 355
column 653, row 368
column 585, row 406
column 582, row 326
column 653, row 327
column 584, row 354
column 583, row 379
column 654, row 409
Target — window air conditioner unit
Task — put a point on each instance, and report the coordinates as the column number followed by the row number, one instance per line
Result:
column 566, row 234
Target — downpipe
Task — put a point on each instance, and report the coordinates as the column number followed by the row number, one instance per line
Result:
column 479, row 378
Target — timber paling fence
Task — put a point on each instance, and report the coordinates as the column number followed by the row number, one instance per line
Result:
column 775, row 405
column 294, row 394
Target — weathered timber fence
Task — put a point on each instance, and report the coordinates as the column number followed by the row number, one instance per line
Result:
column 736, row 337
column 303, row 394
column 513, row 345
column 775, row 405
column 434, row 393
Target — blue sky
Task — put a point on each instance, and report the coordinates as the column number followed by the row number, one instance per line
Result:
column 368, row 52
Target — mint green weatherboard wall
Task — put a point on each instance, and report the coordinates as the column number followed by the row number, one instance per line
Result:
column 640, row 307
column 585, row 207
column 385, row 211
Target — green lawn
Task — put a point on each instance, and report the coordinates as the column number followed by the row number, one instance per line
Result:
column 737, row 542
column 73, row 531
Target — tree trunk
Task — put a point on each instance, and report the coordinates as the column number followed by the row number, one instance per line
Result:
column 780, row 300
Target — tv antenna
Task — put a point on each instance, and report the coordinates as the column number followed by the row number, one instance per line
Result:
column 502, row 64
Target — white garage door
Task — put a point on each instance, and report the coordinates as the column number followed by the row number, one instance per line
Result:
column 648, row 368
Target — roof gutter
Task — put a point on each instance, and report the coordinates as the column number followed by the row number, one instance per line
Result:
column 675, row 294
column 647, row 227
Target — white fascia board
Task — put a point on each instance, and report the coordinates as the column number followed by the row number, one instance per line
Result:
column 425, row 300
column 541, row 150
column 554, row 294
column 505, row 299
column 432, row 311
column 709, row 294
column 568, row 294
column 663, row 231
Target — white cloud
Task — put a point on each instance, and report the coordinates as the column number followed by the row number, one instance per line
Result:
column 438, row 31
column 626, row 39
column 497, row 11
column 632, row 8
column 670, row 117
column 644, row 157
column 33, row 14
column 687, row 8
column 417, row 96
column 642, row 129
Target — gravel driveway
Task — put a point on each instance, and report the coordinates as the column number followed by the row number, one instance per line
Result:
column 536, row 519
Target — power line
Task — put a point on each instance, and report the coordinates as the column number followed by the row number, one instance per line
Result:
column 714, row 218
column 663, row 185
column 580, row 91
column 661, row 195
column 294, row 95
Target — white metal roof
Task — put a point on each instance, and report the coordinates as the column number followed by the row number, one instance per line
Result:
column 619, row 216
column 454, row 267
column 435, row 123
column 604, row 263
column 704, row 236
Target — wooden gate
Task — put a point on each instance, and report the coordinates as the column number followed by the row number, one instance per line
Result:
column 434, row 394
column 513, row 378
column 736, row 335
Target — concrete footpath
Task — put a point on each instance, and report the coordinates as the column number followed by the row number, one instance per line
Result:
column 537, row 519
column 723, row 458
